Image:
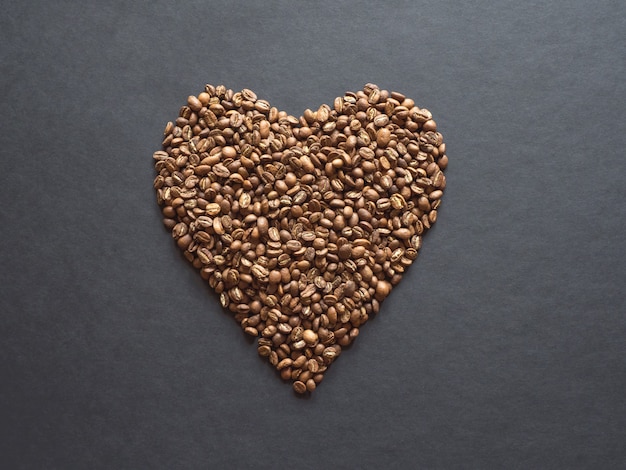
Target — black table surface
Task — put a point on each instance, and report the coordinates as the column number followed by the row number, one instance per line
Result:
column 503, row 347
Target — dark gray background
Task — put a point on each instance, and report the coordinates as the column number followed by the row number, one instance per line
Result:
column 503, row 347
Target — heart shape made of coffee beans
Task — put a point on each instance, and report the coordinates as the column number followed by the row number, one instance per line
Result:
column 301, row 225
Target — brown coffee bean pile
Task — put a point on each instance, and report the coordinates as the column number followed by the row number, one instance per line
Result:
column 301, row 225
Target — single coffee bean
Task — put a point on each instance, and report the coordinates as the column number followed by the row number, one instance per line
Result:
column 299, row 386
column 383, row 288
column 194, row 103
column 262, row 225
column 309, row 336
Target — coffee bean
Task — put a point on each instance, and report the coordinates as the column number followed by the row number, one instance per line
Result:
column 383, row 288
column 194, row 104
column 301, row 225
column 299, row 386
column 262, row 225
column 310, row 337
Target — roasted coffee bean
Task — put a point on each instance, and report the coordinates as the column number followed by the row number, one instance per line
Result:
column 299, row 386
column 301, row 225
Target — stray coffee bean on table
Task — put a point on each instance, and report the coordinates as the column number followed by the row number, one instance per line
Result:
column 302, row 226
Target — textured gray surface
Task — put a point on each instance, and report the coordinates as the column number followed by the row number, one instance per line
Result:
column 503, row 347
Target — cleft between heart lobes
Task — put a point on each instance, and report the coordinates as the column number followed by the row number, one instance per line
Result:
column 302, row 226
